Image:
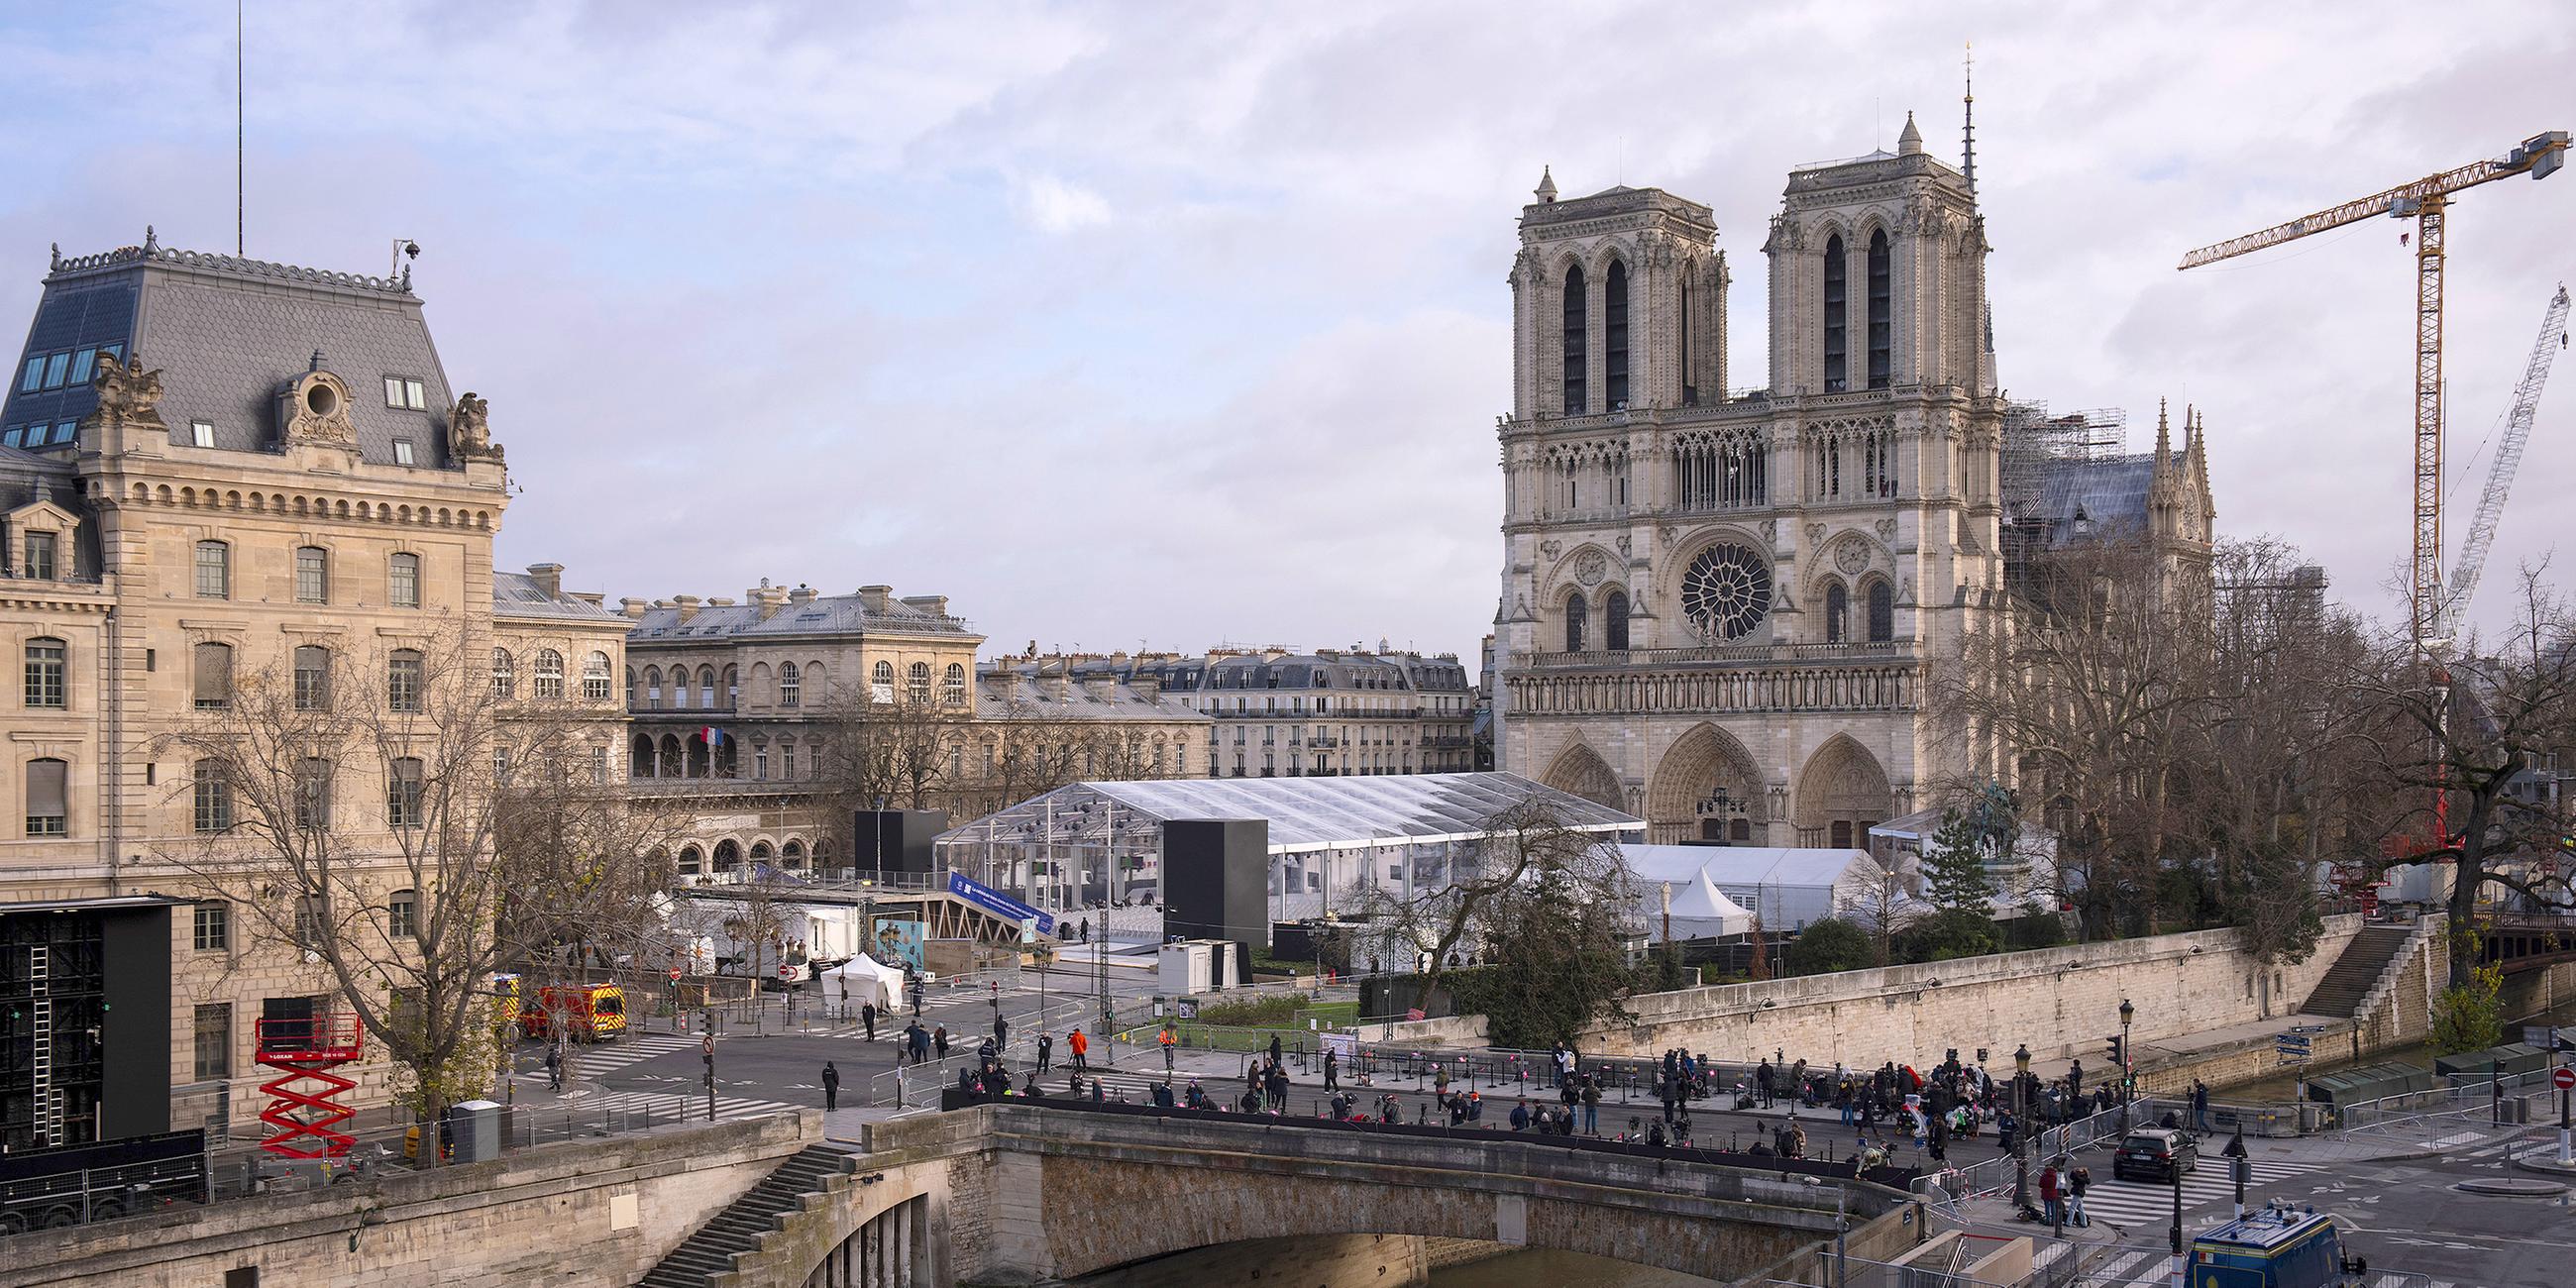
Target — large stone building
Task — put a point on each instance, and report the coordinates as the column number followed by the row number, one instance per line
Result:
column 219, row 474
column 1284, row 713
column 1717, row 608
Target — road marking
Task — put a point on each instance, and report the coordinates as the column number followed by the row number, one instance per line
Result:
column 2122, row 1266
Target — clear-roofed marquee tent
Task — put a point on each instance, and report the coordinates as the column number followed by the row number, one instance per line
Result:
column 1328, row 835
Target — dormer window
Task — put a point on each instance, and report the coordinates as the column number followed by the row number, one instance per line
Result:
column 201, row 433
column 407, row 394
column 40, row 555
column 403, row 452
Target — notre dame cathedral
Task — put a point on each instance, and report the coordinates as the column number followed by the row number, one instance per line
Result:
column 1718, row 607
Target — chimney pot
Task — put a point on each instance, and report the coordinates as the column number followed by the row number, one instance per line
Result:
column 549, row 577
column 632, row 607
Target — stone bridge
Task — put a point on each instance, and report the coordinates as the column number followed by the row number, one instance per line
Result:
column 1031, row 1193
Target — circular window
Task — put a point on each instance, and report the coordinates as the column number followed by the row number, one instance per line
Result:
column 1726, row 592
column 320, row 400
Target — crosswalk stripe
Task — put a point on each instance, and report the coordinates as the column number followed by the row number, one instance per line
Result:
column 2123, row 1265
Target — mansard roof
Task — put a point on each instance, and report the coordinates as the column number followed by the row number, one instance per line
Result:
column 822, row 615
column 227, row 334
column 519, row 594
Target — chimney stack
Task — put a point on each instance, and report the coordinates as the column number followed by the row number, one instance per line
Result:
column 801, row 595
column 549, row 577
column 770, row 599
column 632, row 607
column 874, row 598
column 687, row 604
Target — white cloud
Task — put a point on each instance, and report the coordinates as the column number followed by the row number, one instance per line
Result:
column 1051, row 205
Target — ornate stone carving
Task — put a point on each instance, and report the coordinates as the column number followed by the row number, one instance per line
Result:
column 317, row 410
column 1590, row 567
column 1851, row 556
column 1815, row 534
column 469, row 429
column 1771, row 529
column 1551, row 549
column 1887, row 529
column 1623, row 546
column 127, row 391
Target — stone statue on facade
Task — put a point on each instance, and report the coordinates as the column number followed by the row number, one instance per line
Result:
column 469, row 429
column 127, row 391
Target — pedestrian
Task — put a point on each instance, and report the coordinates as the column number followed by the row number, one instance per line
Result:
column 1332, row 1071
column 1274, row 1048
column 2199, row 1105
column 2053, row 1213
column 1762, row 1077
column 1080, row 1046
column 2075, row 1077
column 1170, row 1042
column 1439, row 1078
column 1521, row 1116
column 554, row 1067
column 1046, row 1051
column 1001, row 1034
column 868, row 1015
column 939, row 1041
column 831, row 1087
column 1591, row 1106
column 2078, row 1181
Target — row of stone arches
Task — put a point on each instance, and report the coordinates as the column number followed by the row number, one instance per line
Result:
column 317, row 507
column 1707, row 787
column 793, row 852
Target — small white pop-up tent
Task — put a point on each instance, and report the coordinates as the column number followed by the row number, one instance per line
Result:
column 1694, row 909
column 859, row 981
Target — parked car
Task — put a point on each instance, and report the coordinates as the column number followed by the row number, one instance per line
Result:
column 2155, row 1153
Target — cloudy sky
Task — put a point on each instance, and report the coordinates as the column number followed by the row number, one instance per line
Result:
column 1125, row 323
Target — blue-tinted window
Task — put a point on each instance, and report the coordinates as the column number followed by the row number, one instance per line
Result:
column 63, row 432
column 35, row 377
column 10, row 437
column 116, row 350
column 80, row 365
column 56, row 367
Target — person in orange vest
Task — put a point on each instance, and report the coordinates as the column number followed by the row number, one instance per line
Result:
column 1080, row 1046
column 1168, row 1041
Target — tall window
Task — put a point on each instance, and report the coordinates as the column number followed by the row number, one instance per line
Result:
column 599, row 764
column 505, row 676
column 40, row 555
column 402, row 580
column 312, row 678
column 312, row 575
column 214, row 806
column 1576, row 340
column 549, row 680
column 1614, row 336
column 45, row 673
column 402, row 914
column 1614, row 620
column 917, row 682
column 213, row 931
column 214, row 570
column 1882, row 613
column 48, row 811
column 596, row 685
column 1878, row 311
column 1837, row 609
column 652, row 688
column 707, row 687
column 953, row 688
column 732, row 688
column 213, row 682
column 403, row 680
column 214, row 1036
column 789, row 685
column 1576, row 623
column 313, row 793
column 1834, row 380
column 883, row 677
column 402, row 792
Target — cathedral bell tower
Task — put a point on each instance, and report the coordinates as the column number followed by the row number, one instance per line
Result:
column 1618, row 304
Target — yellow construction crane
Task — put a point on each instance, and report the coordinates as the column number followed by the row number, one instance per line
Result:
column 2538, row 156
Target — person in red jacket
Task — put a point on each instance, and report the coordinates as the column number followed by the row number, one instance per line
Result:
column 1080, row 1046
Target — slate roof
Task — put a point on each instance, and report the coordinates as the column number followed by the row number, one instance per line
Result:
column 518, row 594
column 228, row 333
column 1008, row 695
column 823, row 615
column 2110, row 493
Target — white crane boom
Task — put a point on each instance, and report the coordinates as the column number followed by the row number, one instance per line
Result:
column 2517, row 432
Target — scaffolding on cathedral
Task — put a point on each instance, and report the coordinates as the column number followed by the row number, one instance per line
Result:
column 2036, row 444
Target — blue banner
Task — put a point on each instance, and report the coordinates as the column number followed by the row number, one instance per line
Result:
column 998, row 903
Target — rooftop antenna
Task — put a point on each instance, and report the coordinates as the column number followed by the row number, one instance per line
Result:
column 240, row 240
column 1968, row 123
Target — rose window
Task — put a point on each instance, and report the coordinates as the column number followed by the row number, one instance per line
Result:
column 1726, row 592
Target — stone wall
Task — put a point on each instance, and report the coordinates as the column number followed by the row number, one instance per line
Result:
column 591, row 1213
column 2062, row 1001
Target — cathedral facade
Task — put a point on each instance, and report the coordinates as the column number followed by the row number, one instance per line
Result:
column 1718, row 608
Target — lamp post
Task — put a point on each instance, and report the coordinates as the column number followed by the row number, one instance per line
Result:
column 2021, row 1129
column 2128, row 1014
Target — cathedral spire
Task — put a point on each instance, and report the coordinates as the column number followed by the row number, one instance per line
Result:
column 1546, row 189
column 2164, row 434
column 1968, row 123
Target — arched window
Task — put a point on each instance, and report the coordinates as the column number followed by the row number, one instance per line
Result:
column 792, row 854
column 1882, row 613
column 312, row 575
column 505, row 676
column 640, row 765
column 632, row 691
column 707, row 687
column 732, row 688
column 550, row 675
column 1614, row 336
column 214, row 570
column 690, row 862
column 1576, row 310
column 402, row 792
column 1837, row 611
column 953, row 689
column 48, row 797
column 1878, row 310
column 45, row 673
column 916, row 682
column 652, row 688
column 1614, row 620
column 312, row 678
column 1576, row 623
column 790, row 685
column 404, row 677
column 1834, row 376
column 760, row 853
column 883, row 677
column 213, row 682
column 595, row 678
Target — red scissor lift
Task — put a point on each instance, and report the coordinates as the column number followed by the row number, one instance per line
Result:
column 307, row 1051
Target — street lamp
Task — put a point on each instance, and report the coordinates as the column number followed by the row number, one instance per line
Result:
column 2128, row 1014
column 2021, row 1129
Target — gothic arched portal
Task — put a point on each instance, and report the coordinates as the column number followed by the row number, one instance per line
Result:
column 1706, row 776
column 1582, row 772
column 1841, row 793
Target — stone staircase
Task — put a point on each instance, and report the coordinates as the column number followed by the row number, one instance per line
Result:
column 811, row 1173
column 2349, row 984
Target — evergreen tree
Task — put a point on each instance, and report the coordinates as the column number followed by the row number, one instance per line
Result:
column 1955, row 868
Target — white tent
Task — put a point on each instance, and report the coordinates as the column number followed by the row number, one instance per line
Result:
column 1789, row 887
column 862, row 980
column 1694, row 909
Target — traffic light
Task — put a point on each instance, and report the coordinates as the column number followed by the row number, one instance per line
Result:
column 2119, row 1051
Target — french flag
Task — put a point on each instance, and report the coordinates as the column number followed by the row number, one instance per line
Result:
column 711, row 736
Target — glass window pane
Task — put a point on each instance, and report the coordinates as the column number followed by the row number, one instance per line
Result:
column 414, row 396
column 35, row 377
column 393, row 391
column 81, row 361
column 56, row 368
